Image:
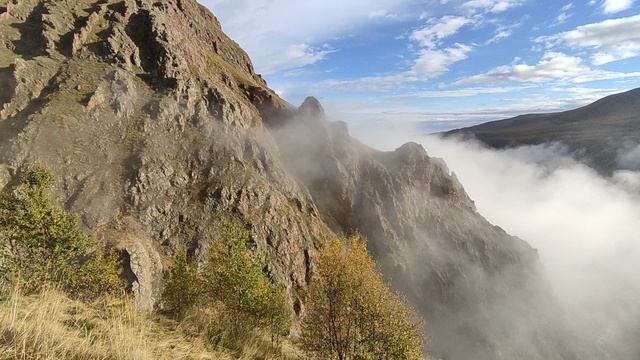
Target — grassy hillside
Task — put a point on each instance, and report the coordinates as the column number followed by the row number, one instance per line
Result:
column 596, row 132
column 52, row 326
column 60, row 301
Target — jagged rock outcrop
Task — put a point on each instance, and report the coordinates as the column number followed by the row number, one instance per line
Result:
column 158, row 129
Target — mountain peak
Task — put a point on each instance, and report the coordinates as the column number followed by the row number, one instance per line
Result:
column 412, row 150
column 311, row 107
column 169, row 45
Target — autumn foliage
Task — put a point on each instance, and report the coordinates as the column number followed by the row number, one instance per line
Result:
column 351, row 313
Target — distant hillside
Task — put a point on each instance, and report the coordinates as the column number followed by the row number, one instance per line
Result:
column 596, row 133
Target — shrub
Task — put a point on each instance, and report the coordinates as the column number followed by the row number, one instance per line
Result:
column 182, row 287
column 41, row 244
column 97, row 275
column 352, row 314
column 237, row 281
column 231, row 286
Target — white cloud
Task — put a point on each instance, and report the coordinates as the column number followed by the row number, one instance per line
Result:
column 612, row 40
column 368, row 83
column 430, row 63
column 499, row 35
column 564, row 14
column 438, row 29
column 552, row 66
column 559, row 99
column 619, row 52
column 614, row 6
column 582, row 224
column 502, row 32
column 562, row 18
column 432, row 59
column 267, row 29
column 434, row 62
column 587, row 94
column 465, row 92
column 443, row 110
column 295, row 56
column 382, row 14
column 493, row 6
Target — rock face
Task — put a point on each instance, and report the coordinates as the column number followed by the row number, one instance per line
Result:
column 142, row 110
column 158, row 129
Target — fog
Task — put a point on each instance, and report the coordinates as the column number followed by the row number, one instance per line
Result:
column 585, row 226
column 629, row 158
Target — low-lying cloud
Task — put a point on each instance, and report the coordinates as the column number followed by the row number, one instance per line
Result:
column 585, row 227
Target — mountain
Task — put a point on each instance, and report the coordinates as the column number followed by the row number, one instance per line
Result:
column 597, row 133
column 157, row 128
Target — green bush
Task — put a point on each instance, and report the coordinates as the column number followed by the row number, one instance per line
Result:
column 182, row 288
column 40, row 244
column 231, row 283
column 236, row 280
column 100, row 274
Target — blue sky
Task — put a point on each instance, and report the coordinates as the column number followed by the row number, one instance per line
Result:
column 447, row 63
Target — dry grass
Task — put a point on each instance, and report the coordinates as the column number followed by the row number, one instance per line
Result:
column 234, row 334
column 51, row 326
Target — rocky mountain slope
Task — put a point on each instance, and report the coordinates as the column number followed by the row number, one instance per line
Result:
column 597, row 133
column 158, row 129
column 143, row 112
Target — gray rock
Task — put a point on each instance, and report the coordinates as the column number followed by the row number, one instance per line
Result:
column 5, row 176
column 144, row 270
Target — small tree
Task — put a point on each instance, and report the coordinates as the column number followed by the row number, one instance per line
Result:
column 98, row 274
column 232, row 281
column 232, row 277
column 41, row 244
column 352, row 314
column 182, row 287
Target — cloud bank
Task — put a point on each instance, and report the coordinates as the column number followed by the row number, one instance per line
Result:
column 553, row 66
column 611, row 40
column 585, row 226
column 615, row 6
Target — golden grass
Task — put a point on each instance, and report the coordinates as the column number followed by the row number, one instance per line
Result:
column 232, row 334
column 50, row 326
